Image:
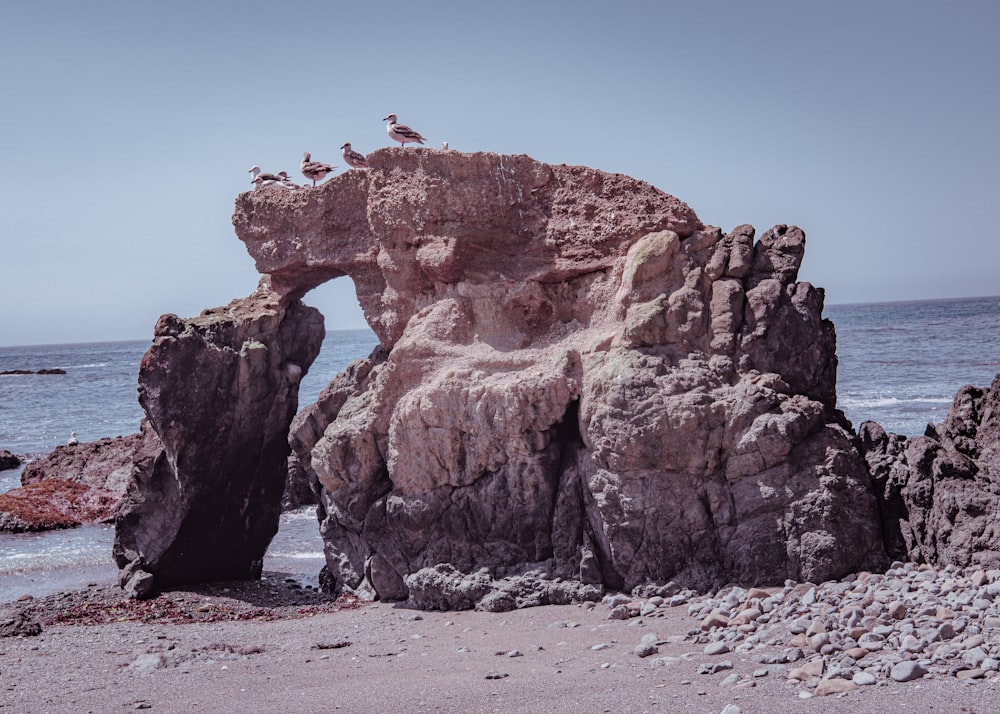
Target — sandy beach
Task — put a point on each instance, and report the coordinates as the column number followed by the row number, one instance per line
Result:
column 275, row 646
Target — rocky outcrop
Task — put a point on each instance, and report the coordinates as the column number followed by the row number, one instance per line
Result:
column 77, row 484
column 104, row 464
column 219, row 392
column 577, row 378
column 55, row 503
column 940, row 493
column 8, row 460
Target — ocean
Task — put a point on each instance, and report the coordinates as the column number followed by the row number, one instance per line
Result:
column 900, row 364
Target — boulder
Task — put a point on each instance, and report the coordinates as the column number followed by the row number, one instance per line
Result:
column 8, row 460
column 938, row 493
column 219, row 391
column 575, row 375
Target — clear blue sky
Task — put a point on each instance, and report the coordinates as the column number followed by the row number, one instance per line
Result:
column 128, row 129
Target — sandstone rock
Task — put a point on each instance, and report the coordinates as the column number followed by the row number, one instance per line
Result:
column 938, row 492
column 219, row 392
column 574, row 371
column 827, row 687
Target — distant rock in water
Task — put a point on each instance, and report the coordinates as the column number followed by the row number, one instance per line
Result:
column 8, row 460
column 54, row 503
column 939, row 493
column 71, row 486
column 28, row 371
column 105, row 463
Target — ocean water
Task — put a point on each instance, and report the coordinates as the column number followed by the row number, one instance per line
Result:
column 900, row 364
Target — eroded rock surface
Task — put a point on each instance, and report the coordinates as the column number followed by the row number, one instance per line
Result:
column 940, row 492
column 219, row 392
column 577, row 379
column 105, row 463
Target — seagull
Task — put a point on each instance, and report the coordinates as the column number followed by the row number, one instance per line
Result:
column 286, row 182
column 314, row 170
column 444, row 145
column 353, row 158
column 400, row 132
column 255, row 172
column 73, row 441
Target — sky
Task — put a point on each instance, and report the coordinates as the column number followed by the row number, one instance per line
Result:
column 128, row 129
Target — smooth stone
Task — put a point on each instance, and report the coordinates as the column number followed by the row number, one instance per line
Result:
column 834, row 686
column 907, row 671
column 864, row 679
column 716, row 648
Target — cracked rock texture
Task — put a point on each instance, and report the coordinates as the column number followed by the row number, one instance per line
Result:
column 577, row 380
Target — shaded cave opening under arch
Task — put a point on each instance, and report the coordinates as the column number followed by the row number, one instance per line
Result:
column 296, row 550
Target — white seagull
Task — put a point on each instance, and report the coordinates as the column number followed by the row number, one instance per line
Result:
column 72, row 441
column 314, row 170
column 264, row 180
column 255, row 172
column 354, row 158
column 401, row 132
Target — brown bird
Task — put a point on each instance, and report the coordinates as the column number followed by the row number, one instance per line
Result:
column 354, row 158
column 314, row 170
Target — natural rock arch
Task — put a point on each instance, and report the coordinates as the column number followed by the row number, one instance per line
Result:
column 577, row 380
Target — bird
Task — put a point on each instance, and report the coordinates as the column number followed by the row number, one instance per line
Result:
column 73, row 441
column 401, row 132
column 444, row 145
column 354, row 158
column 255, row 172
column 286, row 182
column 314, row 170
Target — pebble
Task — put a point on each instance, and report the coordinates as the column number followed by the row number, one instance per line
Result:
column 646, row 649
column 731, row 709
column 827, row 687
column 864, row 679
column 907, row 671
column 717, row 648
column 868, row 629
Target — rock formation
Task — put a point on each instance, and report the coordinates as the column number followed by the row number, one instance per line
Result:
column 577, row 378
column 55, row 503
column 105, row 463
column 940, row 493
column 73, row 485
column 8, row 460
column 219, row 392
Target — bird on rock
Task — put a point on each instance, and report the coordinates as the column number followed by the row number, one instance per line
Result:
column 401, row 132
column 314, row 170
column 352, row 157
column 255, row 173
